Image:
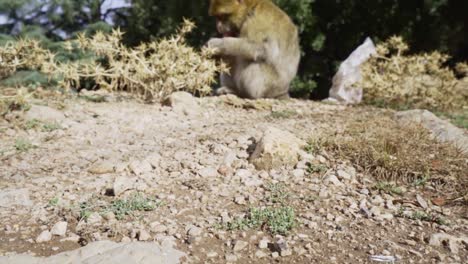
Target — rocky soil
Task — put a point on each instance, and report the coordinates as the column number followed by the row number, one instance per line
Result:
column 64, row 172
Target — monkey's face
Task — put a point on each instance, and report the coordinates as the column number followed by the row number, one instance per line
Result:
column 229, row 16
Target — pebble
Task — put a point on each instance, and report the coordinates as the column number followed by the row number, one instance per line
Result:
column 263, row 244
column 231, row 258
column 208, row 172
column 194, row 231
column 144, row 235
column 59, row 229
column 260, row 254
column 45, row 236
column 240, row 245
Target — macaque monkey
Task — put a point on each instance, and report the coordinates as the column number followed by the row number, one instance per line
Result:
column 260, row 44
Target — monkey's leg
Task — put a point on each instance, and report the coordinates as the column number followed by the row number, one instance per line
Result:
column 227, row 85
column 259, row 80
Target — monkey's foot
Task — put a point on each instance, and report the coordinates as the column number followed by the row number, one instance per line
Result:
column 224, row 90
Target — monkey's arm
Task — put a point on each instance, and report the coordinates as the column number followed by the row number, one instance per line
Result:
column 238, row 47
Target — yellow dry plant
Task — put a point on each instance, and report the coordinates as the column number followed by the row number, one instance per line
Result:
column 392, row 78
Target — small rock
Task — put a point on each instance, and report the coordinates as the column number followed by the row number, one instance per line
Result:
column 94, row 219
column 332, row 179
column 140, row 167
column 211, row 254
column 275, row 254
column 231, row 258
column 229, row 158
column 154, row 160
column 45, row 236
column 158, row 228
column 122, row 184
column 323, row 194
column 208, row 172
column 240, row 200
column 72, row 238
column 183, row 103
column 263, row 244
column 277, row 148
column 343, row 175
column 286, row 253
column 59, row 229
column 298, row 173
column 243, row 173
column 260, row 254
column 102, row 167
column 194, row 231
column 453, row 243
column 240, row 245
column 421, row 201
column 144, row 235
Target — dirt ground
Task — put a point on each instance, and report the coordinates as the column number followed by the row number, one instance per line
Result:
column 194, row 163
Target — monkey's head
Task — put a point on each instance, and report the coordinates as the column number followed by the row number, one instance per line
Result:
column 230, row 14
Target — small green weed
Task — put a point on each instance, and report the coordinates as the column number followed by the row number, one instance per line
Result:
column 85, row 210
column 23, row 145
column 54, row 201
column 278, row 220
column 49, row 127
column 283, row 114
column 316, row 168
column 137, row 202
column 389, row 188
column 421, row 181
column 31, row 124
column 314, row 146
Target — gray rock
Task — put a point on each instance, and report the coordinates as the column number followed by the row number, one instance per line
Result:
column 44, row 113
column 194, row 231
column 122, row 184
column 106, row 252
column 143, row 235
column 263, row 244
column 183, row 103
column 276, row 149
column 102, row 167
column 240, row 245
column 140, row 167
column 208, row 172
column 14, row 197
column 231, row 258
column 331, row 179
column 442, row 130
column 453, row 242
column 59, row 229
column 343, row 175
column 260, row 254
column 45, row 236
column 94, row 219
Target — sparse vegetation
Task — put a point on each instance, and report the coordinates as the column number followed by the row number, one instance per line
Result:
column 393, row 152
column 49, row 127
column 423, row 216
column 277, row 217
column 392, row 78
column 23, row 145
column 136, row 202
column 388, row 187
column 316, row 168
column 284, row 114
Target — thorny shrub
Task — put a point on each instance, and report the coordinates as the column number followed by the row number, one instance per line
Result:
column 392, row 78
column 152, row 70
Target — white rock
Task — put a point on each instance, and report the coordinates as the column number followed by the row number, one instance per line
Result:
column 453, row 242
column 183, row 103
column 194, row 231
column 45, row 236
column 260, row 254
column 240, row 245
column 276, row 149
column 143, row 235
column 231, row 258
column 343, row 175
column 102, row 167
column 298, row 173
column 331, row 179
column 140, row 167
column 106, row 252
column 208, row 172
column 122, row 184
column 154, row 160
column 263, row 244
column 14, row 197
column 243, row 173
column 94, row 219
column 59, row 229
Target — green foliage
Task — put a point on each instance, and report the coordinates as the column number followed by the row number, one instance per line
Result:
column 137, row 202
column 23, row 145
column 389, row 188
column 278, row 220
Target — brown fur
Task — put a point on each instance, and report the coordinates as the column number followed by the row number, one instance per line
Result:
column 260, row 44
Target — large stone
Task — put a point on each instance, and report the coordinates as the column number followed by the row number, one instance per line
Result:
column 106, row 252
column 44, row 113
column 59, row 229
column 14, row 197
column 276, row 149
column 452, row 242
column 442, row 130
column 183, row 103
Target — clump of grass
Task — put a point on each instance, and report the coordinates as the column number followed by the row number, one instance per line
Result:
column 152, row 70
column 393, row 78
column 316, row 168
column 284, row 114
column 314, row 145
column 388, row 187
column 49, row 127
column 276, row 217
column 137, row 202
column 14, row 100
column 278, row 220
column 396, row 152
column 54, row 201
column 424, row 216
column 23, row 145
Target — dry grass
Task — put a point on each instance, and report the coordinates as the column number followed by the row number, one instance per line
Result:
column 392, row 152
column 152, row 70
column 392, row 78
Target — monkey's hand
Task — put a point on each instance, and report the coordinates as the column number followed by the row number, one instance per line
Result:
column 217, row 44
